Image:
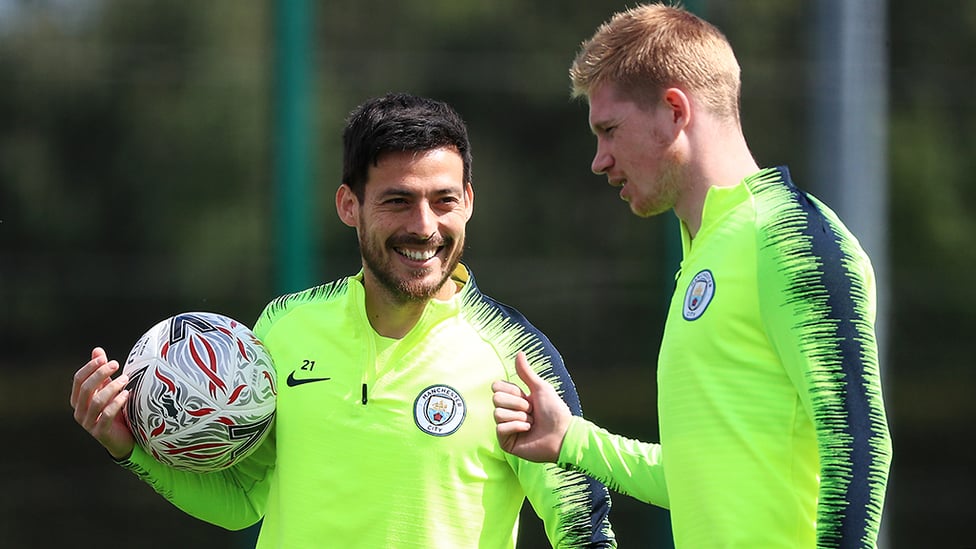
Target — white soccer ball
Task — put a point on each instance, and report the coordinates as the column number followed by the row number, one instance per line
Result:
column 202, row 391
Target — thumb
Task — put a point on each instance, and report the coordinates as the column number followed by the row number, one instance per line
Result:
column 527, row 374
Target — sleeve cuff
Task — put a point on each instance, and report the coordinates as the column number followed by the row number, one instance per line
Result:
column 573, row 442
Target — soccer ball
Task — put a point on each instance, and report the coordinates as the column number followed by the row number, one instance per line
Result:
column 201, row 391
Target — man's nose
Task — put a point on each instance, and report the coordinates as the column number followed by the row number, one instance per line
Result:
column 602, row 161
column 423, row 221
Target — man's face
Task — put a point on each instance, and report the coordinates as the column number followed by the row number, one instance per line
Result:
column 411, row 222
column 636, row 150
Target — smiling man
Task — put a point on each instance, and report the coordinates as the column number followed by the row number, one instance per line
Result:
column 384, row 432
column 410, row 222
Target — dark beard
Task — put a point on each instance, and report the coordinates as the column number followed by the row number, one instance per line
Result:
column 406, row 290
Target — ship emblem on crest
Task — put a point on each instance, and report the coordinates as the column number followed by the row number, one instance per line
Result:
column 439, row 410
column 698, row 295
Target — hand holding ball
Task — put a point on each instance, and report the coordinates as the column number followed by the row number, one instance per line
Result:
column 202, row 391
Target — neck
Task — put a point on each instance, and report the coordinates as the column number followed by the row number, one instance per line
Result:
column 722, row 162
column 393, row 316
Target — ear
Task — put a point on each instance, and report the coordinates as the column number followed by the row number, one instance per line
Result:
column 679, row 107
column 469, row 200
column 347, row 206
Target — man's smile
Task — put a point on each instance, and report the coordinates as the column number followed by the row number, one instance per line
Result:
column 417, row 255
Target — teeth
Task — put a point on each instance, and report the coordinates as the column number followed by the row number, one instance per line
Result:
column 418, row 255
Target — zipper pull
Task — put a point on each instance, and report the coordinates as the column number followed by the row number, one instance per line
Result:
column 364, row 394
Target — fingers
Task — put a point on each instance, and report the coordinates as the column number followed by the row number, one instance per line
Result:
column 532, row 424
column 506, row 387
column 98, row 358
column 503, row 416
column 510, row 422
column 511, row 401
column 511, row 407
column 511, row 428
column 101, row 429
column 95, row 391
column 98, row 402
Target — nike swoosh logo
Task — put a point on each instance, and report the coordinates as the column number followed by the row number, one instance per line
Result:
column 292, row 382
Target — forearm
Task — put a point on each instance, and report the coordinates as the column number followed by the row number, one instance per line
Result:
column 233, row 498
column 855, row 456
column 625, row 465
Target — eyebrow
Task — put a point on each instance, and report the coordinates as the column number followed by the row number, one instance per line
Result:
column 396, row 191
column 600, row 126
column 401, row 191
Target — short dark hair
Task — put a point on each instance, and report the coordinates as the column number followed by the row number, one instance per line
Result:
column 399, row 122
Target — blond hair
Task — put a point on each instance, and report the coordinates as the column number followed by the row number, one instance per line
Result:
column 652, row 47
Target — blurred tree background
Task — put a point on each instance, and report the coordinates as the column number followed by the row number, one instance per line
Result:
column 137, row 180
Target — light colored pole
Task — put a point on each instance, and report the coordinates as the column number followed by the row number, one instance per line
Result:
column 850, row 136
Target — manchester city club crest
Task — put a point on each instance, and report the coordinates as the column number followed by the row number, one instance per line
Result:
column 698, row 295
column 439, row 410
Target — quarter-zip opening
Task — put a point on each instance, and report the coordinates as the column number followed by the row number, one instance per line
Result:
column 379, row 359
column 381, row 356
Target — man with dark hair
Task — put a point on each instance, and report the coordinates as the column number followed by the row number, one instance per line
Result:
column 384, row 434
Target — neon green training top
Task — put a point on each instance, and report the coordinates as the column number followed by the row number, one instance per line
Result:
column 386, row 443
column 773, row 430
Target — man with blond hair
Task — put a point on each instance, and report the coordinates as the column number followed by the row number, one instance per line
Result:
column 772, row 423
